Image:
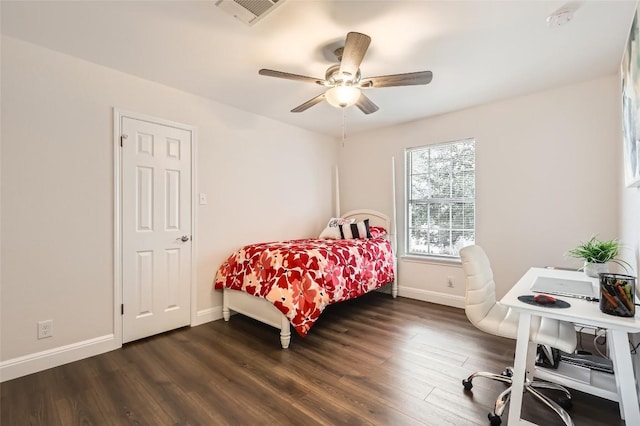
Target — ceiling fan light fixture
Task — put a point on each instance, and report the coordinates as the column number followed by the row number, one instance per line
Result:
column 342, row 96
column 343, row 81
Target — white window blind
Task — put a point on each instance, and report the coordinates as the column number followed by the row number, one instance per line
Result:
column 440, row 190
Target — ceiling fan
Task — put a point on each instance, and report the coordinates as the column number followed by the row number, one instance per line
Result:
column 344, row 80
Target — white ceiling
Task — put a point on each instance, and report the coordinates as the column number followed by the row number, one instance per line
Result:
column 479, row 51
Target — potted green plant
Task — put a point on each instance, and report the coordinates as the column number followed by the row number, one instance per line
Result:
column 597, row 254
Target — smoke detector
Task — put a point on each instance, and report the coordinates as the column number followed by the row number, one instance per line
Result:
column 248, row 11
column 560, row 17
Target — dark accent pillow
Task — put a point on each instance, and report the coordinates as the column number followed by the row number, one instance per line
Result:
column 355, row 230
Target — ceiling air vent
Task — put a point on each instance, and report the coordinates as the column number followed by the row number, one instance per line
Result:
column 248, row 11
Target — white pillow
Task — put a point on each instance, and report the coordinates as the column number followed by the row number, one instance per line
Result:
column 332, row 231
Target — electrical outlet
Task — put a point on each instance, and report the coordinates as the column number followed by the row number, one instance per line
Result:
column 45, row 329
column 450, row 282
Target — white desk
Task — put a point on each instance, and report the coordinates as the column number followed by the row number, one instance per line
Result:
column 582, row 312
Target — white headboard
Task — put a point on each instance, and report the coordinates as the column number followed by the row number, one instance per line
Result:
column 375, row 218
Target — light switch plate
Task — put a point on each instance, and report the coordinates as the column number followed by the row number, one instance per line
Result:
column 203, row 198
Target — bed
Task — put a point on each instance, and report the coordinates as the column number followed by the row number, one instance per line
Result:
column 288, row 284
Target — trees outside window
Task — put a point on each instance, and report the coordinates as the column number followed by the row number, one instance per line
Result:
column 440, row 198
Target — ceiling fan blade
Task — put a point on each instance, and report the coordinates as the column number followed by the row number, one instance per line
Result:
column 366, row 105
column 289, row 76
column 408, row 79
column 355, row 47
column 311, row 102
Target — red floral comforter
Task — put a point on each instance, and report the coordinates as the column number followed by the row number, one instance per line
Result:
column 302, row 277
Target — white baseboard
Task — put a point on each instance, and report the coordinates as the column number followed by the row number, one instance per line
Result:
column 32, row 363
column 431, row 296
column 207, row 315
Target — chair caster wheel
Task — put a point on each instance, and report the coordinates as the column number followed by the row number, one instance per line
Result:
column 467, row 384
column 565, row 402
column 508, row 372
column 494, row 420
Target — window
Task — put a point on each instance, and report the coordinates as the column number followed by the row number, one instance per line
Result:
column 440, row 190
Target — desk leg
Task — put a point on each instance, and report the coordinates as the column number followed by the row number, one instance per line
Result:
column 625, row 379
column 519, row 368
column 612, row 356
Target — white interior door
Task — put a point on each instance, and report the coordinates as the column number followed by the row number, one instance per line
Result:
column 156, row 228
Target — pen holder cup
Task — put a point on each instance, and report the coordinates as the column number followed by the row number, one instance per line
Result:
column 617, row 294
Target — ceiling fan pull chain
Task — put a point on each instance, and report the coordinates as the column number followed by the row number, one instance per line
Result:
column 344, row 134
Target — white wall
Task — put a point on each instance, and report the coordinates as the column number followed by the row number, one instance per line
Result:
column 630, row 229
column 629, row 220
column 264, row 181
column 547, row 178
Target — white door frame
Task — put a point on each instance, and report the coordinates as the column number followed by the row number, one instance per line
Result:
column 118, row 114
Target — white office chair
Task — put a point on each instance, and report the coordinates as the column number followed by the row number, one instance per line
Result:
column 490, row 316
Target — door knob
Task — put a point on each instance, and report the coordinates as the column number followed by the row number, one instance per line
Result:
column 184, row 238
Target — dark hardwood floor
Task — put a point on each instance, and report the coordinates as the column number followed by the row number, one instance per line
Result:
column 374, row 360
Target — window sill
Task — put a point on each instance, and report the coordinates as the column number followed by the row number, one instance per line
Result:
column 435, row 260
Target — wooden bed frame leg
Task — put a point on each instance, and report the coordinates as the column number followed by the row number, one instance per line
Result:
column 285, row 332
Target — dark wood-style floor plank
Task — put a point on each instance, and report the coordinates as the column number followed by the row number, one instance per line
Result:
column 371, row 361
